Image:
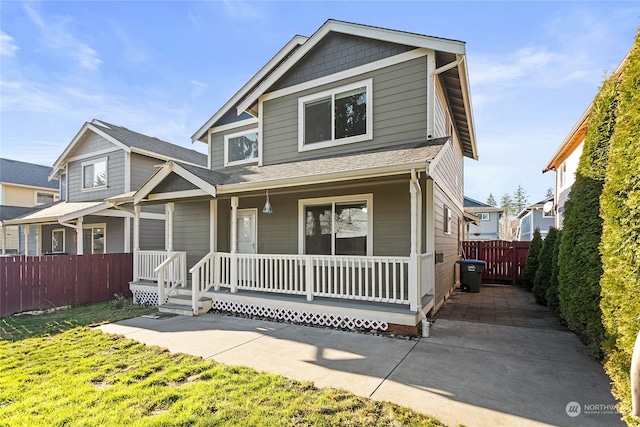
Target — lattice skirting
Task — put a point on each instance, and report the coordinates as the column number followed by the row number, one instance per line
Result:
column 299, row 316
column 146, row 295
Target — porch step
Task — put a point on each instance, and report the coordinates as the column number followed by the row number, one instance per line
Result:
column 181, row 304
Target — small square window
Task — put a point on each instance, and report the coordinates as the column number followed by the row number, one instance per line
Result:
column 240, row 148
column 483, row 216
column 94, row 174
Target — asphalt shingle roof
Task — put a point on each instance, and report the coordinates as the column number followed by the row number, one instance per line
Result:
column 152, row 144
column 23, row 173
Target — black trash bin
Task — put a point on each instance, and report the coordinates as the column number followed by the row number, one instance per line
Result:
column 471, row 274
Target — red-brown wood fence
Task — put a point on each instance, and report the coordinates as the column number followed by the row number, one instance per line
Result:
column 504, row 260
column 39, row 282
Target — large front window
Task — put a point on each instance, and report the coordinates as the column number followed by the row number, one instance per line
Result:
column 241, row 148
column 94, row 174
column 335, row 117
column 337, row 227
column 94, row 239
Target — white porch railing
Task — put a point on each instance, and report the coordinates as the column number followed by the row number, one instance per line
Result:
column 375, row 279
column 146, row 263
column 171, row 273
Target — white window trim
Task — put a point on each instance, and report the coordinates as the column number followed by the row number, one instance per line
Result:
column 235, row 135
column 93, row 162
column 368, row 135
column 36, row 193
column 446, row 220
column 64, row 243
column 302, row 203
column 97, row 225
column 483, row 216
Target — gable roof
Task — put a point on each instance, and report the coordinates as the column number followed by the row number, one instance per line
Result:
column 535, row 206
column 132, row 142
column 366, row 164
column 473, row 205
column 23, row 173
column 451, row 70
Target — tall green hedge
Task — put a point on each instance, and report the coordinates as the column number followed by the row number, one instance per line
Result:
column 580, row 267
column 620, row 246
column 531, row 264
column 542, row 279
column 553, row 302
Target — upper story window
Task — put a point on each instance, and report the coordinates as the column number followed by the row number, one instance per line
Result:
column 338, row 116
column 42, row 198
column 484, row 216
column 563, row 174
column 241, row 148
column 94, row 174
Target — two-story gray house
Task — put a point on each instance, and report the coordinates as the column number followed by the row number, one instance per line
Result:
column 334, row 189
column 488, row 226
column 539, row 215
column 98, row 173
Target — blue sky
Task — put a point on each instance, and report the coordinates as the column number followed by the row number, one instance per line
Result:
column 163, row 68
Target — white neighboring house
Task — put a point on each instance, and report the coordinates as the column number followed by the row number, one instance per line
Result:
column 22, row 186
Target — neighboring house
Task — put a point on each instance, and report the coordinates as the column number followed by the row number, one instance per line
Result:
column 334, row 189
column 488, row 218
column 22, row 186
column 98, row 173
column 565, row 160
column 538, row 215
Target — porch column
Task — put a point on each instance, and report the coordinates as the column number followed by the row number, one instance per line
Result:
column 79, row 237
column 27, row 230
column 38, row 240
column 136, row 240
column 4, row 240
column 213, row 225
column 413, row 254
column 234, row 244
column 168, row 212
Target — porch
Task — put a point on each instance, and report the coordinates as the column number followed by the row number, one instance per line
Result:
column 340, row 291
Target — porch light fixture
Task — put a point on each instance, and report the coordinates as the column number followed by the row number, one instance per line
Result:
column 267, row 206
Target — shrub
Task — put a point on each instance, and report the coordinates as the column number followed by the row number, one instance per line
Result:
column 531, row 264
column 542, row 278
column 620, row 246
column 552, row 293
column 580, row 266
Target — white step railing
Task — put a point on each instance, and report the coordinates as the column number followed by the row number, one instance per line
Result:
column 171, row 273
column 146, row 263
column 375, row 279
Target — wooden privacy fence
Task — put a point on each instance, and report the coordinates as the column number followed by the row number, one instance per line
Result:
column 504, row 260
column 39, row 282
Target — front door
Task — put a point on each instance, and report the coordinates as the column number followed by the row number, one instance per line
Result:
column 247, row 231
column 247, row 237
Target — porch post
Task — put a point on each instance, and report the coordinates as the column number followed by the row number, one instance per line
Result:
column 4, row 240
column 168, row 211
column 234, row 244
column 413, row 256
column 27, row 230
column 38, row 240
column 136, row 240
column 79, row 237
column 213, row 225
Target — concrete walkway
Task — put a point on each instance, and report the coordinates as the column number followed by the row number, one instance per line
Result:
column 478, row 374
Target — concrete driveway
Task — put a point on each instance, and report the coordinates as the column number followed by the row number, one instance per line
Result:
column 477, row 374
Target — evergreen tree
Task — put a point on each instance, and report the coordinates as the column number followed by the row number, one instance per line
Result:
column 542, row 279
column 549, row 193
column 620, row 245
column 520, row 200
column 579, row 258
column 531, row 265
column 506, row 203
column 491, row 201
column 553, row 301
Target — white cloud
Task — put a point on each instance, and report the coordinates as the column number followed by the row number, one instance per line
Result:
column 58, row 38
column 7, row 46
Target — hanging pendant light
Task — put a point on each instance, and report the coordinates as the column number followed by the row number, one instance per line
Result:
column 267, row 206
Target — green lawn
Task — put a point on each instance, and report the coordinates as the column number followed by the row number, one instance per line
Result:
column 57, row 371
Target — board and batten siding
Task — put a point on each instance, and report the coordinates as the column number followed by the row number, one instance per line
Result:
column 191, row 230
column 115, row 178
column 399, row 113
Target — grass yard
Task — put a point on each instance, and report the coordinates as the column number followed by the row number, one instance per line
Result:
column 56, row 371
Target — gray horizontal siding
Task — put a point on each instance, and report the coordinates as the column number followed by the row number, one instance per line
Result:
column 115, row 178
column 90, row 143
column 142, row 168
column 191, row 230
column 151, row 234
column 399, row 113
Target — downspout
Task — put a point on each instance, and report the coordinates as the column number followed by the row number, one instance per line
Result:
column 414, row 251
column 426, row 325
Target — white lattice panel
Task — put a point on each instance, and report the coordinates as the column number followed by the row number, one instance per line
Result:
column 299, row 316
column 147, row 295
